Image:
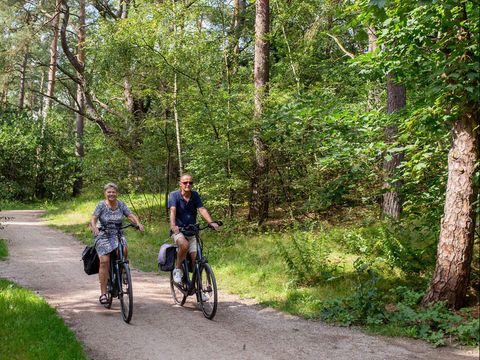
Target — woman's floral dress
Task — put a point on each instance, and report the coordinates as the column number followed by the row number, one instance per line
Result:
column 110, row 220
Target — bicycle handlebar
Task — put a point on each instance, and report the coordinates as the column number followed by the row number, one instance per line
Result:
column 101, row 228
column 198, row 227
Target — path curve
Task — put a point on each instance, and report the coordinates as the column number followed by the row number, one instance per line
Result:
column 241, row 329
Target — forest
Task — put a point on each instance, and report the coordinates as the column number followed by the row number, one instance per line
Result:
column 348, row 127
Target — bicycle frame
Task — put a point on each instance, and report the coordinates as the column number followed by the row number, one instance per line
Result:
column 119, row 275
column 117, row 259
column 191, row 284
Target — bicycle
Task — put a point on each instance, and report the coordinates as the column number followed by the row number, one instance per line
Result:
column 202, row 282
column 119, row 282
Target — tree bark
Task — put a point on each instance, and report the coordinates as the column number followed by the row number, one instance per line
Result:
column 259, row 202
column 392, row 203
column 52, row 69
column 373, row 99
column 80, row 121
column 455, row 247
column 23, row 74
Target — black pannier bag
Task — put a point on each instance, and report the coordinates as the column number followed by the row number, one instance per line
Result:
column 166, row 257
column 91, row 262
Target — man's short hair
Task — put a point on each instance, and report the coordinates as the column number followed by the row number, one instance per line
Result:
column 184, row 175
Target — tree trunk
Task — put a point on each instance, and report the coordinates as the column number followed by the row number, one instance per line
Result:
column 373, row 99
column 52, row 69
column 175, row 95
column 23, row 74
column 396, row 100
column 80, row 121
column 455, row 247
column 259, row 202
column 4, row 96
column 177, row 125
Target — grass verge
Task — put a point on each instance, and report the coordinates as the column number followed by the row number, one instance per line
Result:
column 31, row 329
column 3, row 249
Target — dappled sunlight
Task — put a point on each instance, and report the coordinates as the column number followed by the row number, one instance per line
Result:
column 21, row 223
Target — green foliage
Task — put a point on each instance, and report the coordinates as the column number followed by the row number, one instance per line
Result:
column 364, row 306
column 31, row 165
column 307, row 257
column 3, row 248
column 398, row 309
column 408, row 246
column 31, row 329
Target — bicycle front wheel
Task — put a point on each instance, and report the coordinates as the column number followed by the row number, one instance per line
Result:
column 207, row 291
column 126, row 295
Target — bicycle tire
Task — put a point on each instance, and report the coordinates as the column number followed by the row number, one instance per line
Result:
column 179, row 297
column 207, row 294
column 126, row 294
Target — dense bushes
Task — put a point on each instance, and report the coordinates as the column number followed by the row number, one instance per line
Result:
column 31, row 165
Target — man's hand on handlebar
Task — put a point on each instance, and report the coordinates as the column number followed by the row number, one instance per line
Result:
column 214, row 225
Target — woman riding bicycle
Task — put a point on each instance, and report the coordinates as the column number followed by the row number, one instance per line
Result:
column 110, row 213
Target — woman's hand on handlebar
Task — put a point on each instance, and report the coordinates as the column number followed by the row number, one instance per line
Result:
column 140, row 227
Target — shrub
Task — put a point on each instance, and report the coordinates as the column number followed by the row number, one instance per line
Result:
column 307, row 258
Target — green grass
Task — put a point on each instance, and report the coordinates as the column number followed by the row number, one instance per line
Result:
column 3, row 249
column 34, row 205
column 31, row 329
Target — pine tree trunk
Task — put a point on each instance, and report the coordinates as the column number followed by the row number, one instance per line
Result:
column 259, row 202
column 23, row 74
column 80, row 121
column 455, row 247
column 373, row 99
column 52, row 69
column 392, row 203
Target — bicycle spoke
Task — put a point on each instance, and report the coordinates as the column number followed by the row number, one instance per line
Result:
column 207, row 292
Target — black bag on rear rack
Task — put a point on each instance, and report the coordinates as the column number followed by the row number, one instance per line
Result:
column 166, row 257
column 91, row 262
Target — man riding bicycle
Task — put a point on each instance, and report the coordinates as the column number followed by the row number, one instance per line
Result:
column 183, row 205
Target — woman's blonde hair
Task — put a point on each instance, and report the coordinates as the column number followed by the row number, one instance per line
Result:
column 110, row 185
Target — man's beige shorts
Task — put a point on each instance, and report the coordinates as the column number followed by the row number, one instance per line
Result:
column 192, row 241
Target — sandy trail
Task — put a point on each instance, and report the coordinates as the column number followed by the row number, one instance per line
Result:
column 161, row 330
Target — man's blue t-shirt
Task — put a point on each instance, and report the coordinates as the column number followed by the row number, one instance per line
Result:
column 186, row 212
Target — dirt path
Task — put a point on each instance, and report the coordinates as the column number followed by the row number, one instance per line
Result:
column 47, row 261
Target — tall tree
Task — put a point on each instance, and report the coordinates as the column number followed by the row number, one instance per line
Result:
column 23, row 74
column 79, row 118
column 454, row 253
column 259, row 202
column 396, row 101
column 52, row 66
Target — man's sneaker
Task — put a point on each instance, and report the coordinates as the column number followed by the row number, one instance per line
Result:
column 204, row 297
column 177, row 275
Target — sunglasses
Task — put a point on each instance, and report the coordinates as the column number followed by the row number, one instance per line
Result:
column 187, row 182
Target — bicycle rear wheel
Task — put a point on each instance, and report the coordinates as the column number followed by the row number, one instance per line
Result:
column 207, row 291
column 126, row 294
column 178, row 296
